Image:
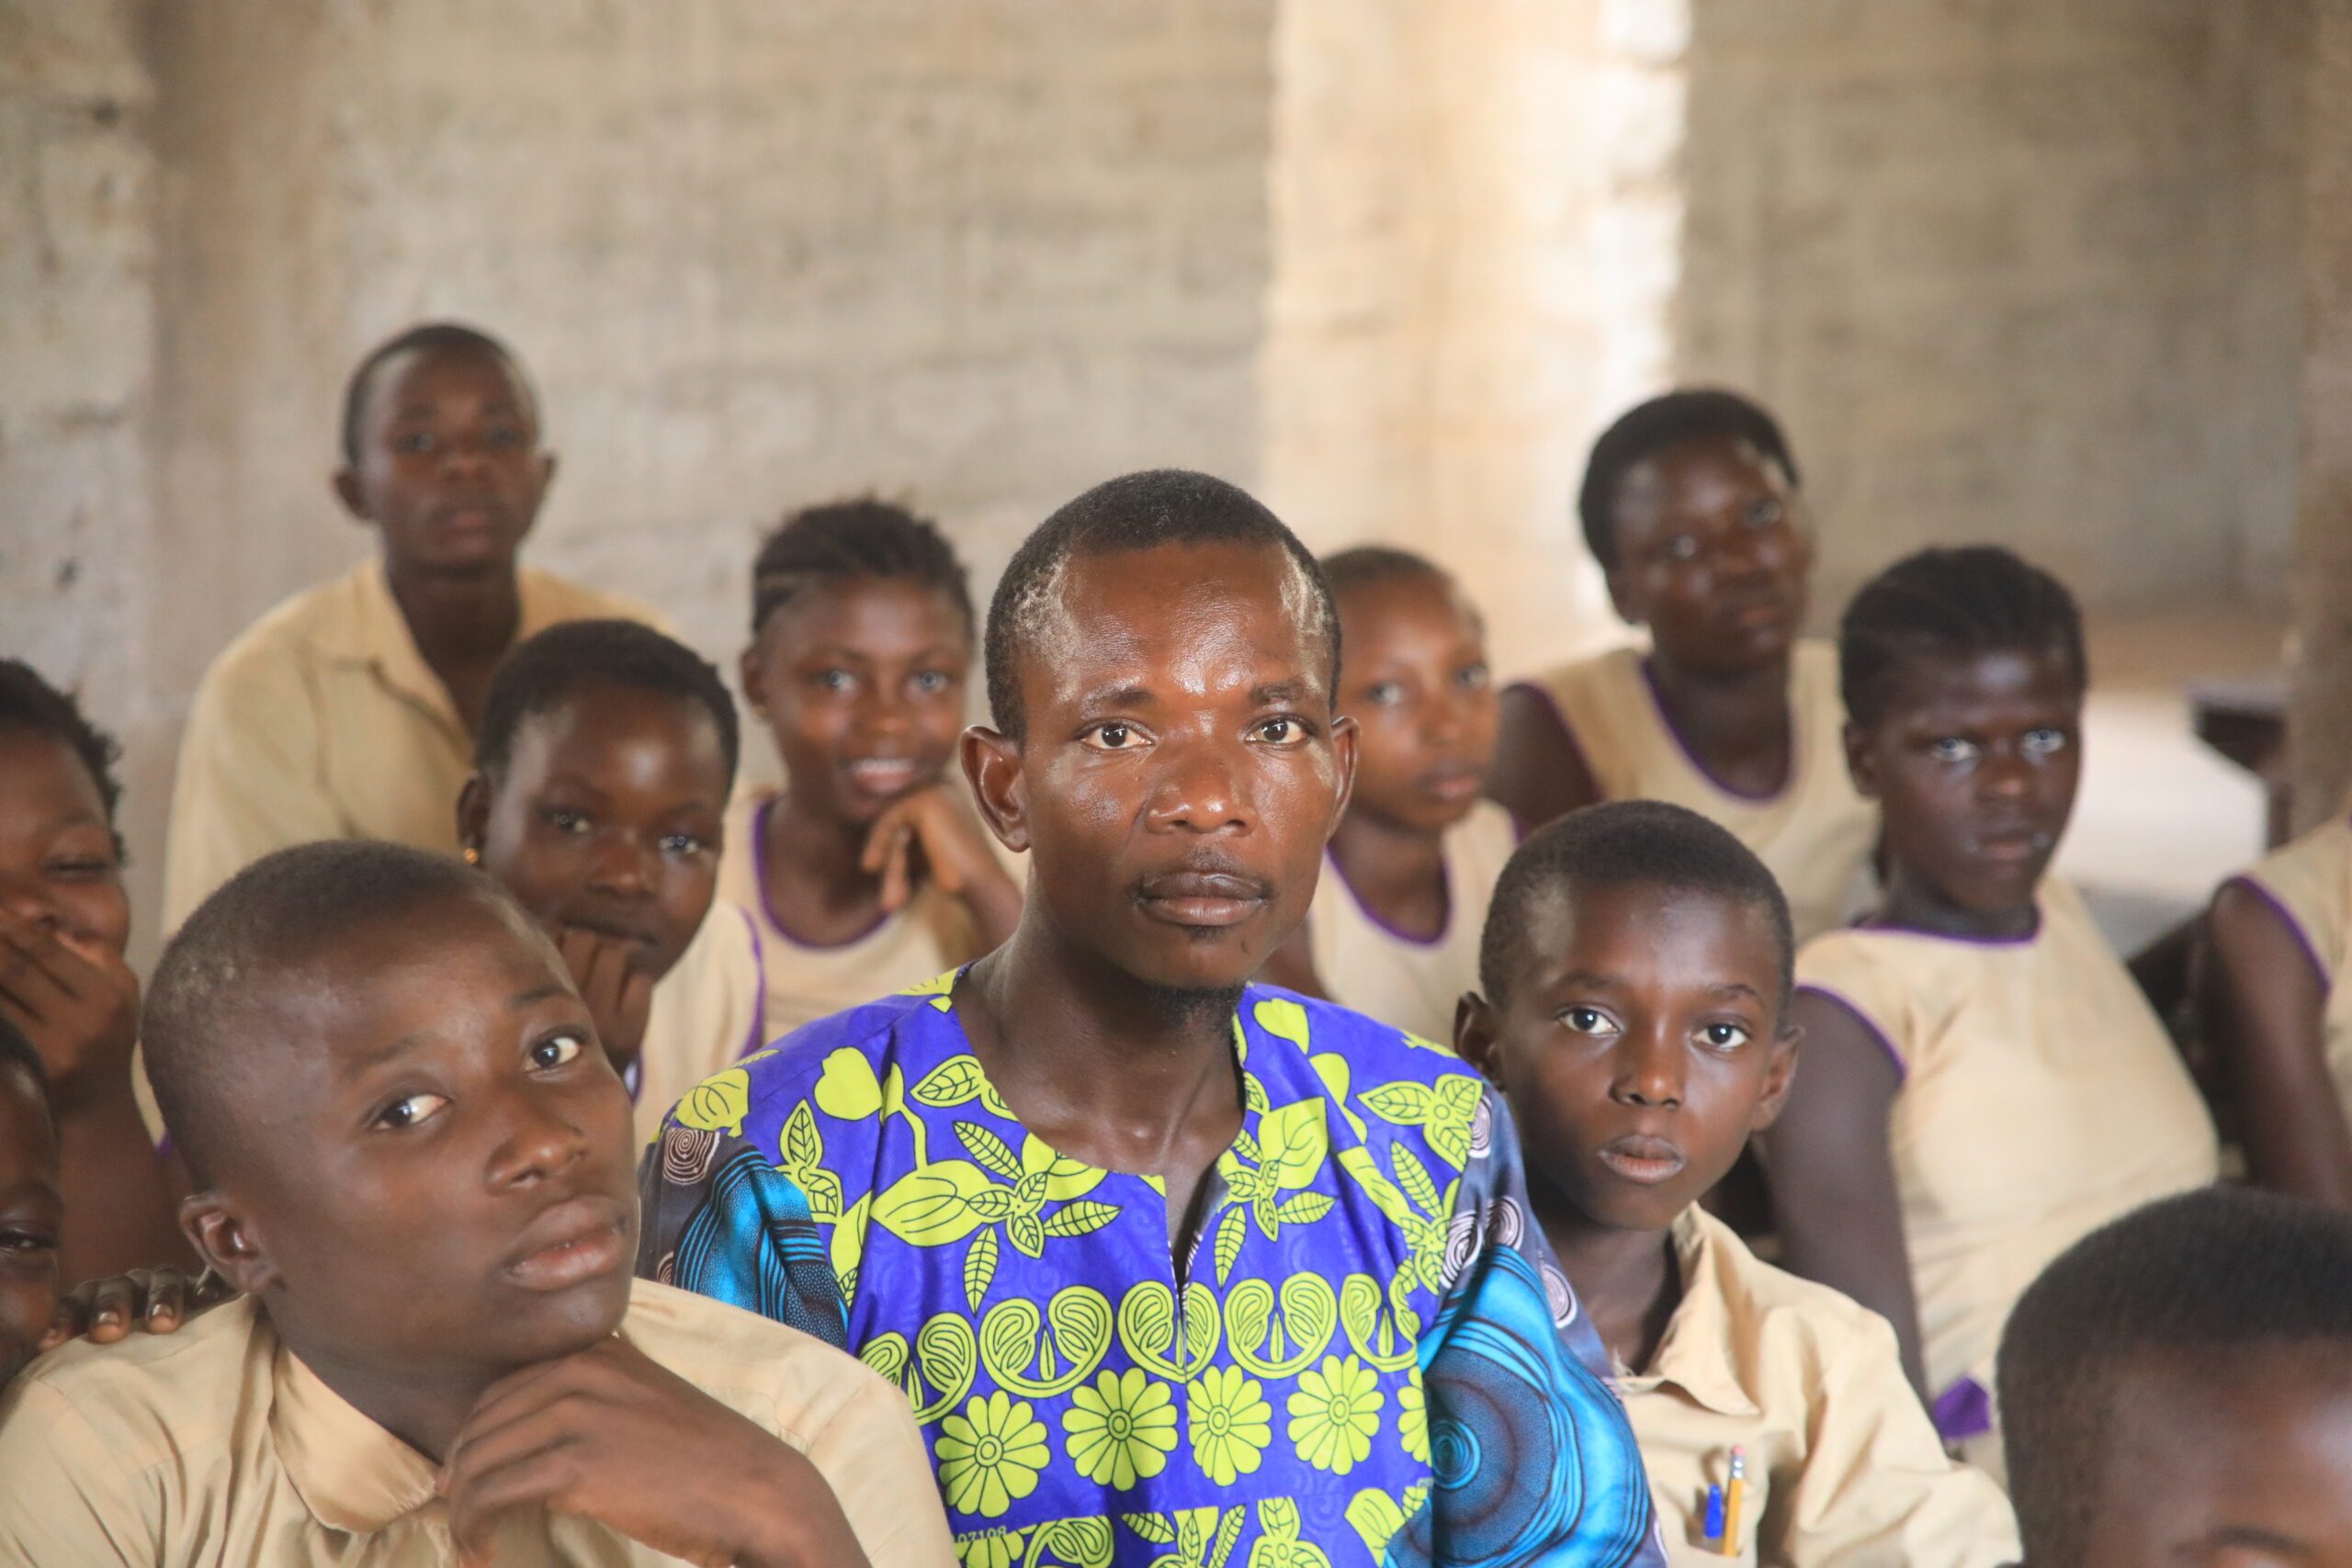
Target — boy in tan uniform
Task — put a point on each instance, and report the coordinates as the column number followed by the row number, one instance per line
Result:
column 347, row 712
column 439, row 1354
column 1636, row 970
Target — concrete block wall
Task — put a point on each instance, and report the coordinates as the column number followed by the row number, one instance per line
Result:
column 2016, row 270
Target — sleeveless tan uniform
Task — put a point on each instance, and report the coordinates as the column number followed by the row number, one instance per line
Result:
column 1815, row 834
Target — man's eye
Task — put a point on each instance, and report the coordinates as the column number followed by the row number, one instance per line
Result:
column 505, row 438
column 1765, row 512
column 1472, row 677
column 1384, row 693
column 1951, row 749
column 78, row 866
column 833, row 679
column 1587, row 1021
column 564, row 821
column 557, row 1051
column 21, row 1243
column 1680, row 547
column 932, row 681
column 410, row 1111
column 1112, row 737
column 1724, row 1036
column 2044, row 743
column 415, row 441
column 1284, row 731
column 685, row 844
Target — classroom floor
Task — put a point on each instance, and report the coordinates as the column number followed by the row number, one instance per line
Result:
column 2161, row 819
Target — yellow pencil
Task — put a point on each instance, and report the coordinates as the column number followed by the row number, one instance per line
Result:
column 1732, row 1499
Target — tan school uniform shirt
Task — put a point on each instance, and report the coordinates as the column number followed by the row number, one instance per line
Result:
column 707, row 1013
column 1381, row 972
column 2308, row 883
column 323, row 721
column 2040, row 1097
column 934, row 934
column 1843, row 1468
column 1815, row 833
column 215, row 1445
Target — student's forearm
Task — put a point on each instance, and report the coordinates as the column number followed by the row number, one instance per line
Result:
column 118, row 1198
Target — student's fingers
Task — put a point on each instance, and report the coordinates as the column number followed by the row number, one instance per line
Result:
column 538, row 1470
column 882, row 840
column 45, row 955
column 898, row 881
column 23, row 975
column 101, row 1310
column 166, row 1300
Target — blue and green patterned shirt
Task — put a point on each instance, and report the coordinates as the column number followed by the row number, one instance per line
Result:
column 1370, row 1356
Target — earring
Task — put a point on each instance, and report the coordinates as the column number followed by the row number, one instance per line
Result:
column 473, row 855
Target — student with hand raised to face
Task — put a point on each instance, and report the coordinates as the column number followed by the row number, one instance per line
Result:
column 64, row 983
column 439, row 1354
column 606, row 754
column 1984, row 1082
column 348, row 711
column 1394, row 930
column 1170, row 1263
column 1633, row 1012
column 869, row 871
column 1692, row 507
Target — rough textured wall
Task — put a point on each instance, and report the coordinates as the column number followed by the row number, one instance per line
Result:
column 978, row 252
column 77, row 190
column 2320, row 720
column 1475, row 231
column 2021, row 270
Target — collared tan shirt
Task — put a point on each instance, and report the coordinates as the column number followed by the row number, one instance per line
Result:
column 1816, row 833
column 216, row 1448
column 322, row 720
column 1843, row 1467
column 1368, row 965
column 707, row 1013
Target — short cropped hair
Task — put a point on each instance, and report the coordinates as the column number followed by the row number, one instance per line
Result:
column 1137, row 511
column 863, row 539
column 543, row 671
column 1625, row 843
column 2199, row 1276
column 17, row 1051
column 1952, row 605
column 1648, row 428
column 265, row 922
column 29, row 702
column 431, row 337
column 1366, row 564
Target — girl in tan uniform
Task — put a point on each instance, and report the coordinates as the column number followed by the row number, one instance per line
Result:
column 1394, row 930
column 2279, row 1015
column 1984, row 1082
column 1691, row 505
column 869, row 872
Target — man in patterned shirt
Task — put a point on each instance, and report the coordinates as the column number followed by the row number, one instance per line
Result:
column 1175, row 1269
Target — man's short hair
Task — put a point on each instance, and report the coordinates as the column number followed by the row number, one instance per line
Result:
column 1625, row 844
column 265, row 922
column 1138, row 512
column 2198, row 1276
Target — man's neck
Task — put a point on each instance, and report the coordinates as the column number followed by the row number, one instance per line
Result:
column 458, row 619
column 1105, row 1068
column 1626, row 1281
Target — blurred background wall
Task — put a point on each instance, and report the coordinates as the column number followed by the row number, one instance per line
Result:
column 2066, row 273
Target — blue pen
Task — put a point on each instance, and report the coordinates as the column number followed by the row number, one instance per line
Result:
column 1714, row 1513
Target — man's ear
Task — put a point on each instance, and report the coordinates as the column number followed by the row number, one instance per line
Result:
column 1859, row 765
column 992, row 765
column 1345, row 748
column 227, row 1244
column 1475, row 1035
column 1780, row 1076
column 473, row 815
column 347, row 491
